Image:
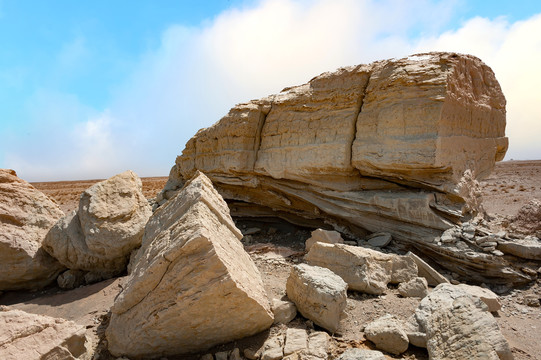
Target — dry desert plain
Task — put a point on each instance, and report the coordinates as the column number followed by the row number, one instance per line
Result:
column 275, row 246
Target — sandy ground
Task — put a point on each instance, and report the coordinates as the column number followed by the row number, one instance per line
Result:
column 276, row 247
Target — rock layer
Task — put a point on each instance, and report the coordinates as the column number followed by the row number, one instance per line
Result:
column 193, row 285
column 26, row 215
column 109, row 224
column 395, row 146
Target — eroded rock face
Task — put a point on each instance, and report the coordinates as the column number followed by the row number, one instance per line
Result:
column 395, row 146
column 30, row 336
column 193, row 285
column 26, row 215
column 109, row 224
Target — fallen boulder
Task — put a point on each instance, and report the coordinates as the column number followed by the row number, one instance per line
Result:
column 388, row 334
column 284, row 311
column 319, row 294
column 193, row 285
column 362, row 269
column 486, row 295
column 107, row 227
column 416, row 287
column 395, row 146
column 26, row 215
column 30, row 336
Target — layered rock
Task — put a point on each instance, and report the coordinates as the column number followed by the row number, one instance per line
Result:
column 30, row 336
column 193, row 285
column 107, row 227
column 26, row 215
column 395, row 146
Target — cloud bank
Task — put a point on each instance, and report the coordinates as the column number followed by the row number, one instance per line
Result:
column 197, row 74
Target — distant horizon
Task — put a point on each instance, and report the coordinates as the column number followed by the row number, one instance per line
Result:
column 92, row 89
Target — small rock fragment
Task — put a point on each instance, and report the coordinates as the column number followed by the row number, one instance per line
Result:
column 388, row 334
column 284, row 311
column 416, row 287
column 324, row 236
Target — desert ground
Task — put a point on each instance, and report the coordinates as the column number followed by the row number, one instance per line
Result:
column 276, row 245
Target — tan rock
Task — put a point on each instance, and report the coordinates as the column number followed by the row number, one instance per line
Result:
column 361, row 354
column 487, row 296
column 416, row 287
column 108, row 226
column 284, row 311
column 30, row 336
column 395, row 146
column 193, row 285
column 433, row 277
column 324, row 236
column 296, row 340
column 273, row 348
column 319, row 294
column 26, row 215
column 388, row 334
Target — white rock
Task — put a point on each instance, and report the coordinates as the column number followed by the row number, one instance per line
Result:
column 361, row 354
column 388, row 334
column 404, row 269
column 296, row 340
column 193, row 286
column 319, row 294
column 324, row 236
column 486, row 295
column 416, row 287
column 284, row 311
column 273, row 348
column 30, row 336
column 319, row 344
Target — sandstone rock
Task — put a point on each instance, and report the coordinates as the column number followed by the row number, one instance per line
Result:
column 109, row 224
column 462, row 330
column 361, row 354
column 26, row 215
column 404, row 269
column 319, row 344
column 70, row 279
column 395, row 146
column 527, row 248
column 532, row 300
column 319, row 294
column 487, row 296
column 458, row 325
column 417, row 287
column 193, row 285
column 324, row 236
column 296, row 341
column 284, row 311
column 428, row 272
column 30, row 336
column 273, row 348
column 528, row 218
column 379, row 239
column 387, row 334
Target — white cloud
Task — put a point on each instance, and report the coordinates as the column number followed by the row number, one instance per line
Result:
column 197, row 74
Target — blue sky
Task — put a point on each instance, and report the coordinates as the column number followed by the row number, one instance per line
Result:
column 90, row 89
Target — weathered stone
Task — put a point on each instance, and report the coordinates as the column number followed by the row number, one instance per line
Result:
column 487, row 296
column 388, row 334
column 532, row 300
column 273, row 348
column 222, row 355
column 296, row 340
column 324, row 236
column 207, row 357
column 284, row 311
column 527, row 248
column 379, row 239
column 404, row 269
column 416, row 287
column 428, row 272
column 462, row 330
column 26, row 215
column 30, row 336
column 235, row 354
column 109, row 224
column 362, row 269
column 528, row 218
column 395, row 146
column 361, row 354
column 193, row 285
column 319, row 344
column 319, row 294
column 70, row 279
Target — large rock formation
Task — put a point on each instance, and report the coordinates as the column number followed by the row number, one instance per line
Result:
column 394, row 146
column 193, row 285
column 26, row 215
column 109, row 224
column 30, row 336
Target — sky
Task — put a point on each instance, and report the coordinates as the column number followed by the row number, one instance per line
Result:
column 89, row 89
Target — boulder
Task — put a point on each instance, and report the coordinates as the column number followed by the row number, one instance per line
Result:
column 416, row 287
column 363, row 269
column 526, row 248
column 108, row 225
column 379, row 239
column 30, row 336
column 324, row 236
column 361, row 354
column 396, row 146
column 528, row 218
column 284, row 311
column 486, row 295
column 458, row 325
column 26, row 215
column 388, row 334
column 319, row 294
column 193, row 286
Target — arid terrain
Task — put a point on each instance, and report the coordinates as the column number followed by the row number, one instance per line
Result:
column 275, row 246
